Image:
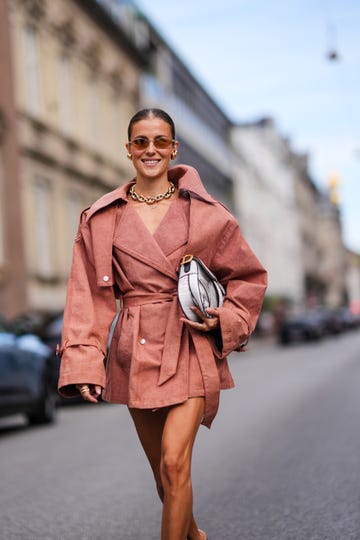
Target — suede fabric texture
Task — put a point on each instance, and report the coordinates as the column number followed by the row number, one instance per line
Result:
column 154, row 359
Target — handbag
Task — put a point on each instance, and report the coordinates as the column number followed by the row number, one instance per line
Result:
column 198, row 286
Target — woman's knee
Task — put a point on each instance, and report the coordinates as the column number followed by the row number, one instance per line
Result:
column 174, row 469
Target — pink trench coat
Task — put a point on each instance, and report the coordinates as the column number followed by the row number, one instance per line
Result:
column 153, row 354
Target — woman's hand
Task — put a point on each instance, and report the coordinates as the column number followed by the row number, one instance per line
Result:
column 90, row 392
column 207, row 324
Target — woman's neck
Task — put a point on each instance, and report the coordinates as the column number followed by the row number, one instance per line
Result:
column 151, row 187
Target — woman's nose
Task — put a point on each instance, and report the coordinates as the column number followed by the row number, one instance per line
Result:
column 151, row 148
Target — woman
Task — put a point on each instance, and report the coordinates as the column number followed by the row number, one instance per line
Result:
column 168, row 370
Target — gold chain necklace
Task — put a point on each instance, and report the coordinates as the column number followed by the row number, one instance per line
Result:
column 151, row 200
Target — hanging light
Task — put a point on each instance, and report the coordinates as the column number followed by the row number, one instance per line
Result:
column 332, row 53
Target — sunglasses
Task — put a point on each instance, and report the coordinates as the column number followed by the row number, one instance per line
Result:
column 160, row 142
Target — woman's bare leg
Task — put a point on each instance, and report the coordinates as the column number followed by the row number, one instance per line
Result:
column 150, row 427
column 180, row 429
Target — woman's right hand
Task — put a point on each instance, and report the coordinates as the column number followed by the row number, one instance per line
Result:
column 90, row 392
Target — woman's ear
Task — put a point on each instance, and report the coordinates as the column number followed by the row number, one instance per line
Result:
column 174, row 150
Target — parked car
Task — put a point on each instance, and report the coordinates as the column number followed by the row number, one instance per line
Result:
column 304, row 326
column 28, row 378
column 330, row 318
column 50, row 331
column 349, row 320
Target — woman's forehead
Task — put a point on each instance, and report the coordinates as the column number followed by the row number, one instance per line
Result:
column 152, row 126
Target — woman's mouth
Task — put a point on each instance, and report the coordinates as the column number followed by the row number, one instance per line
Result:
column 150, row 162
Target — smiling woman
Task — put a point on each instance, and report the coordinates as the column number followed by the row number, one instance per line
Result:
column 167, row 369
column 151, row 145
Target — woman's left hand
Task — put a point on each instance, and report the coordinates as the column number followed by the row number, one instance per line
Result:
column 90, row 392
column 207, row 324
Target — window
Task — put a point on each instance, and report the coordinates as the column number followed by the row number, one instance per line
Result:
column 91, row 110
column 65, row 94
column 43, row 227
column 32, row 69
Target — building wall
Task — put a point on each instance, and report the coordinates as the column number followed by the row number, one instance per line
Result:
column 353, row 279
column 76, row 86
column 12, row 270
column 307, row 201
column 265, row 195
column 332, row 254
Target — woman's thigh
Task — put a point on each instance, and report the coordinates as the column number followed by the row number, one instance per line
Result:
column 149, row 426
column 169, row 430
column 180, row 429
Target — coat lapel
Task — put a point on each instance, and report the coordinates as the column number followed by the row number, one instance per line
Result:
column 134, row 238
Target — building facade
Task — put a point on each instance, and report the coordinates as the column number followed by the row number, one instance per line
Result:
column 331, row 254
column 74, row 84
column 307, row 201
column 265, row 195
column 323, row 252
column 353, row 280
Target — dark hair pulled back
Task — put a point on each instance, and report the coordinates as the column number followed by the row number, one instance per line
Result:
column 151, row 113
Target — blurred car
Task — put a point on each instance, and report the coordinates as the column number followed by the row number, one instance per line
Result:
column 28, row 378
column 348, row 319
column 304, row 326
column 51, row 331
column 33, row 322
column 331, row 319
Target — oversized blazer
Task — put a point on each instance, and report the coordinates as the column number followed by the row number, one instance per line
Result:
column 91, row 305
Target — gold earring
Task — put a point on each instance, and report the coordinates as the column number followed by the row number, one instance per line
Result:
column 129, row 156
column 173, row 154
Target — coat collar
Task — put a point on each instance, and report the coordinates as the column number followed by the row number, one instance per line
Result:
column 185, row 177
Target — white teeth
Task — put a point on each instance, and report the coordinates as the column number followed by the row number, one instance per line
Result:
column 151, row 161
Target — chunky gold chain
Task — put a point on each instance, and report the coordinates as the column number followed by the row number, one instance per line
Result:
column 151, row 200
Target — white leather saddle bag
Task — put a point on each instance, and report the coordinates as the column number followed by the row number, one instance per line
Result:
column 199, row 287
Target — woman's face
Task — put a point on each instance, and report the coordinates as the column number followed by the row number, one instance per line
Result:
column 151, row 162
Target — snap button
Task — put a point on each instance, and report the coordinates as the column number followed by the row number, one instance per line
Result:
column 142, row 341
column 106, row 278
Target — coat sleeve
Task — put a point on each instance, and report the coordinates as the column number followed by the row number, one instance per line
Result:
column 89, row 312
column 245, row 280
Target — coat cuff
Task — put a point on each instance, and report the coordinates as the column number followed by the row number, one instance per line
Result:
column 233, row 333
column 80, row 364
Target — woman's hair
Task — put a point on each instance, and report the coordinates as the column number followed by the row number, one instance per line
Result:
column 151, row 113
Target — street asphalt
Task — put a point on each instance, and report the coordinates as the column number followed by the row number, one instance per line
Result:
column 281, row 462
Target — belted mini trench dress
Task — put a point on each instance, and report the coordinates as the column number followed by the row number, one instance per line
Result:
column 154, row 359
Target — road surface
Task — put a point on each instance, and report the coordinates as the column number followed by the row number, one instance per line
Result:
column 282, row 461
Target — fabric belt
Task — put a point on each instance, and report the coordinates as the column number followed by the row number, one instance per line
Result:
column 173, row 331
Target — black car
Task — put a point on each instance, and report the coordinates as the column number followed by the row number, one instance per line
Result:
column 305, row 326
column 28, row 378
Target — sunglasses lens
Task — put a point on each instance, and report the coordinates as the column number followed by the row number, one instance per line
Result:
column 141, row 143
column 162, row 142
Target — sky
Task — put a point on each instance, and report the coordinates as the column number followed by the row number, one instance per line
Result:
column 269, row 58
